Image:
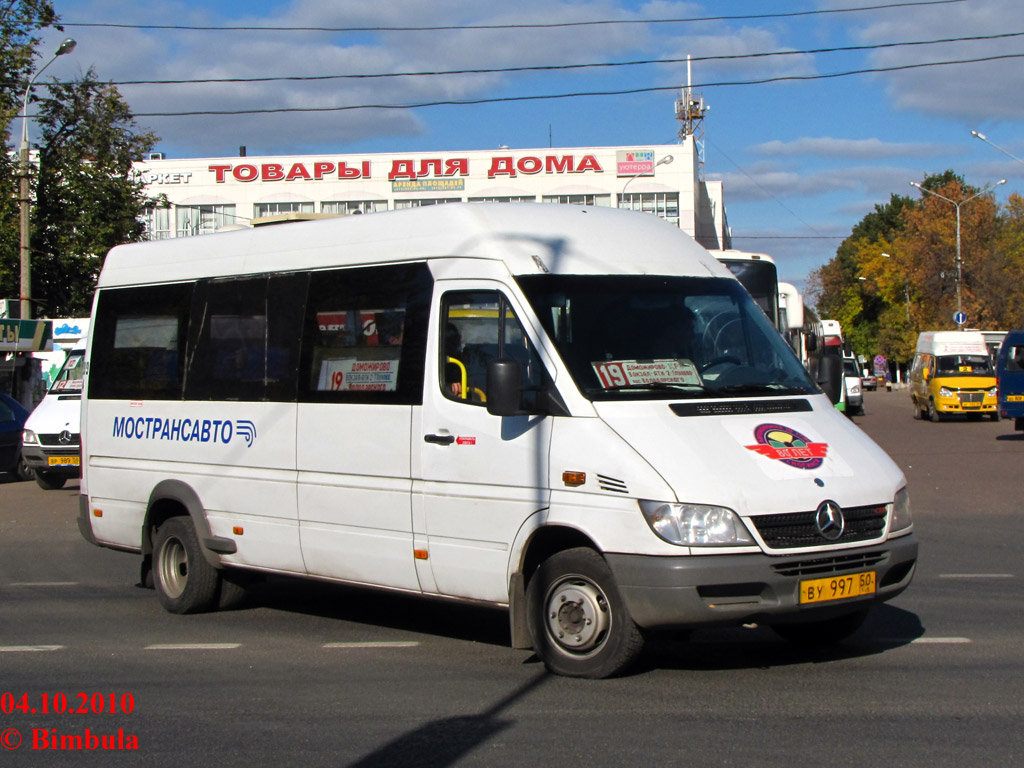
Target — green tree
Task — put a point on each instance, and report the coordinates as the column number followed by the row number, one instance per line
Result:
column 842, row 295
column 87, row 198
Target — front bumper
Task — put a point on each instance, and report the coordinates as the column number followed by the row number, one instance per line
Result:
column 63, row 460
column 696, row 590
column 956, row 404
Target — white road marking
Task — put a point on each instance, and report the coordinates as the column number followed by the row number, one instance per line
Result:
column 28, row 648
column 44, row 584
column 941, row 640
column 976, row 576
column 395, row 644
column 193, row 646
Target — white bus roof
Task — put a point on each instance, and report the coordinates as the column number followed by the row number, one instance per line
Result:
column 528, row 238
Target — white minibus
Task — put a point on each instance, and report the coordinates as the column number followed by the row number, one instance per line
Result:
column 50, row 440
column 576, row 413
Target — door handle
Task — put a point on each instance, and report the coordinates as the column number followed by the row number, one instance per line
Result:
column 439, row 439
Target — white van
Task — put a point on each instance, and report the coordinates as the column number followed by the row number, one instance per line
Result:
column 574, row 412
column 50, row 440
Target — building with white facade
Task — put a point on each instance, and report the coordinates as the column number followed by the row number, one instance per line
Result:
column 205, row 194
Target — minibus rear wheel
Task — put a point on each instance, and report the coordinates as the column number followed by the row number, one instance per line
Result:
column 184, row 581
column 578, row 621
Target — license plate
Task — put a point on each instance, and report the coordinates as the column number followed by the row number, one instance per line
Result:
column 970, row 405
column 62, row 461
column 1015, row 398
column 837, row 587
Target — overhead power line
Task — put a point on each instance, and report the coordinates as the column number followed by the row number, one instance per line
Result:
column 563, row 67
column 581, row 94
column 550, row 25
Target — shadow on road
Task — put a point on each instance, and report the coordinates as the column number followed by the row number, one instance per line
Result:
column 444, row 742
column 758, row 647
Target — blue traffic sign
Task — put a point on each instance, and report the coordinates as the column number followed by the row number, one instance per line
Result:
column 960, row 318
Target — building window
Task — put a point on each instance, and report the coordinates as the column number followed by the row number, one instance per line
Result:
column 275, row 209
column 202, row 219
column 420, row 203
column 353, row 206
column 604, row 201
column 522, row 199
column 662, row 204
column 158, row 223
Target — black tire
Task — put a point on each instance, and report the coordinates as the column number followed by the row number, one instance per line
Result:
column 185, row 582
column 49, row 481
column 578, row 621
column 22, row 470
column 933, row 415
column 234, row 587
column 994, row 416
column 917, row 409
column 818, row 634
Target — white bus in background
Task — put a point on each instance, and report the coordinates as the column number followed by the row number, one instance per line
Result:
column 757, row 273
column 574, row 413
column 791, row 320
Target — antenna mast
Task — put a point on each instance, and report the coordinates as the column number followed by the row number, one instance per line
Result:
column 690, row 111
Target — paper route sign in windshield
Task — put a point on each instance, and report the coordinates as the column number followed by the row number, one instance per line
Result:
column 624, row 373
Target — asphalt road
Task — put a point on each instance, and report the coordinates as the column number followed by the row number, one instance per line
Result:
column 316, row 675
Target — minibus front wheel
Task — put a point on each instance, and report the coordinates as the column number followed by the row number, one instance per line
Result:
column 185, row 582
column 578, row 621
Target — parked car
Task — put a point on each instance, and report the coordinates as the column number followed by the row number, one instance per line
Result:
column 854, row 393
column 12, row 420
column 869, row 382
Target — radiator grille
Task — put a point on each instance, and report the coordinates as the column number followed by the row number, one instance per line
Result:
column 823, row 566
column 798, row 529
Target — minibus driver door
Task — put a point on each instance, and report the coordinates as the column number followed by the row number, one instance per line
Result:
column 480, row 476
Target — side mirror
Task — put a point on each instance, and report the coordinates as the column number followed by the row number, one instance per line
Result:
column 504, row 388
column 830, row 377
column 811, row 342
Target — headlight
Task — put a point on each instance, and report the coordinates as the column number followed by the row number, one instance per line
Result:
column 695, row 524
column 901, row 517
column 28, row 437
column 855, row 389
column 944, row 392
column 994, row 392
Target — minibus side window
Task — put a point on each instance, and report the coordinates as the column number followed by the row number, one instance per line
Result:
column 478, row 327
column 138, row 346
column 245, row 338
column 364, row 335
column 1015, row 359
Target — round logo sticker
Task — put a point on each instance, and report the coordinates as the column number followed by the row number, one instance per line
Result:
column 775, row 441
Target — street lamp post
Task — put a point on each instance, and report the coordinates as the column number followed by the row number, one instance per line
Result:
column 664, row 161
column 959, row 268
column 23, row 187
column 983, row 137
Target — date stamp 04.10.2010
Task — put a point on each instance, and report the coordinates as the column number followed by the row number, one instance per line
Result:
column 99, row 738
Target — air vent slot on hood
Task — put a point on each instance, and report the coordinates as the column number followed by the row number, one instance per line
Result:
column 741, row 407
column 606, row 483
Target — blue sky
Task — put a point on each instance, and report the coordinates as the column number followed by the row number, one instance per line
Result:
column 802, row 160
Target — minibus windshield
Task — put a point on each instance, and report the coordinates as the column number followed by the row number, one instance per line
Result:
column 69, row 378
column 642, row 337
column 963, row 365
